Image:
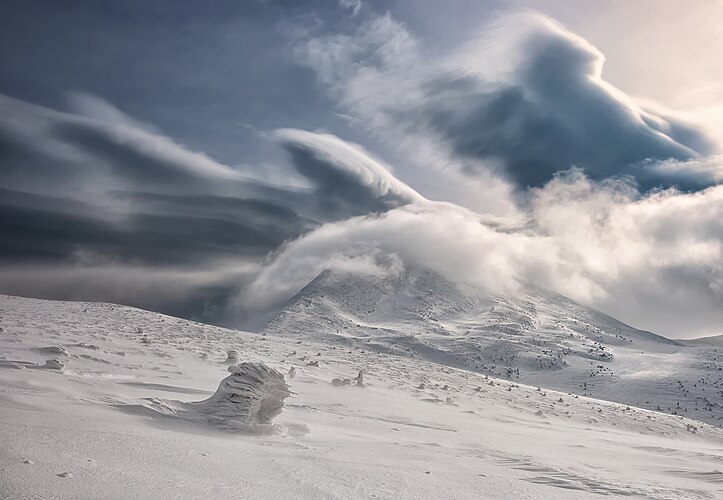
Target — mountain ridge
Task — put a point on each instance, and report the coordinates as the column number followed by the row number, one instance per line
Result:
column 537, row 337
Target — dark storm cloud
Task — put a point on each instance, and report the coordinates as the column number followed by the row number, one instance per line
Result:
column 207, row 225
column 347, row 181
column 558, row 113
column 72, row 183
column 206, row 73
column 338, row 192
column 105, row 210
column 97, row 206
column 169, row 232
column 125, row 159
column 108, row 185
column 34, row 226
column 526, row 100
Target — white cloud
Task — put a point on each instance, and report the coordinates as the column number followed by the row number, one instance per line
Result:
column 520, row 102
column 342, row 162
column 514, row 98
column 525, row 103
column 654, row 260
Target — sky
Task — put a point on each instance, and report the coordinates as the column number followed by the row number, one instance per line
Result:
column 208, row 160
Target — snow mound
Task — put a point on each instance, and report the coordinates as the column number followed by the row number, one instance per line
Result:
column 253, row 394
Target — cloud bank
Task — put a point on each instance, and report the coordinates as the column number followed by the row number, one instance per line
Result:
column 95, row 205
column 348, row 181
column 654, row 260
column 72, row 182
column 523, row 105
column 523, row 100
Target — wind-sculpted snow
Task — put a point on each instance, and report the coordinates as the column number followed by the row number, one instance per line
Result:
column 406, row 427
column 252, row 395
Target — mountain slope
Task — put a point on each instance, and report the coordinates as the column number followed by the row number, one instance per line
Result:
column 101, row 421
column 537, row 337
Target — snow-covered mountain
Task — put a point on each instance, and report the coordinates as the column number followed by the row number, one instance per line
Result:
column 107, row 401
column 535, row 337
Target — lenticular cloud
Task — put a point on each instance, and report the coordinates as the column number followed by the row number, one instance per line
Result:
column 597, row 242
column 524, row 100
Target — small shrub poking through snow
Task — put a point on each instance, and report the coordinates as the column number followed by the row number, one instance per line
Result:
column 343, row 382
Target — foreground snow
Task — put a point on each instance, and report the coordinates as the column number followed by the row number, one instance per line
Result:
column 103, row 421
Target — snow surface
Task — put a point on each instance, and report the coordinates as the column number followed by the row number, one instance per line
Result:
column 536, row 337
column 104, row 421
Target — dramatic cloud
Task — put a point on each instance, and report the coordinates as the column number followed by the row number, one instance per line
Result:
column 654, row 260
column 348, row 181
column 103, row 182
column 552, row 178
column 87, row 196
column 525, row 100
column 72, row 182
